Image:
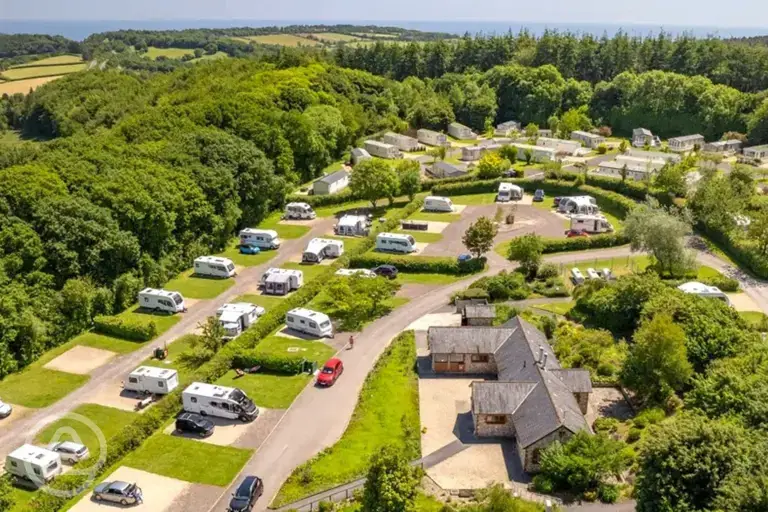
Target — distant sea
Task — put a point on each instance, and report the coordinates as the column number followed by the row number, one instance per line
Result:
column 79, row 30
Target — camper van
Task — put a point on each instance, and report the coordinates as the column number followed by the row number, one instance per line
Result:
column 320, row 248
column 509, row 192
column 438, row 204
column 310, row 322
column 212, row 400
column 30, row 462
column 237, row 317
column 261, row 238
column 591, row 224
column 281, row 281
column 299, row 211
column 352, row 225
column 213, row 266
column 161, row 300
column 148, row 379
column 395, row 242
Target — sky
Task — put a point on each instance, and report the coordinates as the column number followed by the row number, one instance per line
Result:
column 713, row 13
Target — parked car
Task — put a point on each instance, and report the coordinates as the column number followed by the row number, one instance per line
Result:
column 117, row 492
column 249, row 249
column 249, row 490
column 194, row 424
column 557, row 200
column 5, row 409
column 389, row 271
column 511, row 173
column 464, row 257
column 538, row 196
column 574, row 233
column 330, row 372
column 70, row 452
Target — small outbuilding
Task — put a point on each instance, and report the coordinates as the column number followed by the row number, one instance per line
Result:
column 478, row 315
column 359, row 155
column 331, row 184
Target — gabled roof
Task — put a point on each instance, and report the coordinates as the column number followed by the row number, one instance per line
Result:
column 466, row 340
column 446, row 170
column 360, row 152
column 480, row 311
column 500, row 397
column 642, row 131
column 334, row 177
column 576, row 379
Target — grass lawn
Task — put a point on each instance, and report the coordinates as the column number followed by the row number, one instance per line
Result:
column 422, row 236
column 547, row 204
column 310, row 271
column 34, row 72
column 268, row 390
column 437, row 279
column 754, row 318
column 382, row 209
column 20, row 497
column 435, row 217
column 266, row 301
column 163, row 321
column 246, row 260
column 332, row 37
column 387, row 412
column 39, row 387
column 560, row 308
column 96, row 340
column 283, row 40
column 182, row 344
column 170, row 53
column 196, row 287
column 189, row 460
column 108, row 420
column 280, row 346
column 212, row 56
column 50, row 61
column 286, row 231
column 475, row 199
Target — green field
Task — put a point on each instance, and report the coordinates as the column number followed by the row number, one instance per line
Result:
column 170, row 53
column 280, row 40
column 246, row 260
column 162, row 321
column 52, row 61
column 560, row 308
column 38, row 387
column 180, row 345
column 266, row 301
column 436, row 279
column 316, row 351
column 311, row 271
column 39, row 71
column 197, row 287
column 755, row 319
column 212, row 56
column 108, row 420
column 332, row 37
column 285, row 231
column 363, row 208
column 422, row 236
column 267, row 389
column 435, row 217
column 96, row 340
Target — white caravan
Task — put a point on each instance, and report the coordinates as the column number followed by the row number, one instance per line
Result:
column 237, row 317
column 352, row 225
column 576, row 276
column 299, row 211
column 161, row 300
column 261, row 238
column 281, row 281
column 591, row 224
column 438, row 204
column 509, row 192
column 148, row 379
column 362, row 272
column 395, row 242
column 210, row 399
column 30, row 462
column 702, row 290
column 579, row 204
column 592, row 274
column 310, row 322
column 320, row 248
column 213, row 266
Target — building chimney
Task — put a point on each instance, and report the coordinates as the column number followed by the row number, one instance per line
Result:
column 544, row 362
column 541, row 354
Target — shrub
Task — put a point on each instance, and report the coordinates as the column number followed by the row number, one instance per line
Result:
column 125, row 329
column 602, row 149
column 606, row 370
column 606, row 425
column 269, row 362
column 590, row 496
column 472, row 293
column 634, row 434
column 725, row 283
column 583, row 243
column 543, row 484
column 504, row 286
column 419, row 264
column 647, row 417
column 547, row 271
column 608, row 493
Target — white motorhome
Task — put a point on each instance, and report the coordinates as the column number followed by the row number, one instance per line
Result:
column 299, row 211
column 438, row 204
column 509, row 192
column 281, row 281
column 34, row 463
column 580, row 205
column 210, row 399
column 362, row 272
column 148, row 379
column 352, row 225
column 261, row 238
column 310, row 322
column 237, row 317
column 320, row 248
column 161, row 300
column 395, row 242
column 702, row 290
column 591, row 224
column 214, row 266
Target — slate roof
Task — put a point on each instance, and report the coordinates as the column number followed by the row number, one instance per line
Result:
column 577, row 379
column 360, row 152
column 446, row 170
column 466, row 340
column 334, row 177
column 480, row 311
column 500, row 397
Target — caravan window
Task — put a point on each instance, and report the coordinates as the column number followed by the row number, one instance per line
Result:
column 193, row 400
column 37, row 471
column 302, row 322
column 325, row 324
column 133, row 380
column 230, row 267
column 213, row 404
column 52, row 466
column 177, row 298
column 161, row 384
column 313, row 325
column 13, row 463
column 225, row 406
column 290, row 319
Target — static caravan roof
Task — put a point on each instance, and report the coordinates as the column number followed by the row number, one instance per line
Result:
column 642, row 131
column 587, row 135
column 631, row 166
column 685, row 138
column 266, row 232
column 360, row 153
column 153, row 372
column 540, row 149
column 377, row 143
column 34, row 455
column 334, row 177
column 213, row 259
column 458, row 125
column 763, row 147
column 424, row 131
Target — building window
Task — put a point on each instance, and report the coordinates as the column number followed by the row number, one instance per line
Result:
column 441, row 358
column 496, row 419
column 536, row 456
column 479, row 358
column 457, row 358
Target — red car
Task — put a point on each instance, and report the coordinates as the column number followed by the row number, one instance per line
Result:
column 330, row 372
column 573, row 233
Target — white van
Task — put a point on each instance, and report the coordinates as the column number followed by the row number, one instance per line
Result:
column 261, row 238
column 299, row 211
column 438, row 204
column 161, row 300
column 310, row 322
column 237, row 317
column 320, row 248
column 214, row 266
column 509, row 192
column 30, row 462
column 576, row 276
column 591, row 224
column 281, row 281
column 352, row 225
column 148, row 379
column 210, row 399
column 395, row 242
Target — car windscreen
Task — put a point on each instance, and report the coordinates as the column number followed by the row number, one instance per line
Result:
column 238, row 396
column 327, row 369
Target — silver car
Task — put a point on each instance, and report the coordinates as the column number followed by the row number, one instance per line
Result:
column 118, row 492
column 70, row 452
column 5, row 409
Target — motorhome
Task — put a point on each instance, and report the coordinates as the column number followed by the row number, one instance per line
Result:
column 509, row 192
column 299, row 211
column 320, row 248
column 576, row 276
column 395, row 242
column 223, row 402
column 261, row 238
column 703, row 290
column 161, row 300
column 309, row 322
column 362, row 272
column 591, row 224
column 352, row 225
column 34, row 463
column 237, row 317
column 214, row 266
column 149, row 379
column 281, row 281
column 438, row 204
column 580, row 205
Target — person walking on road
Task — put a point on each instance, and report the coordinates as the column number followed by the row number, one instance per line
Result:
column 351, row 342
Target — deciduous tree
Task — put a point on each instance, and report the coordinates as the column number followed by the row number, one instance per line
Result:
column 527, row 251
column 409, row 177
column 391, row 482
column 374, row 180
column 478, row 238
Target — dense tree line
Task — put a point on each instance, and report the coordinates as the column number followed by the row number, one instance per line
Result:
column 15, row 45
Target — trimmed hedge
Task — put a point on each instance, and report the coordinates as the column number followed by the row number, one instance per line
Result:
column 583, row 243
column 740, row 250
column 273, row 363
column 419, row 264
column 125, row 329
column 345, row 196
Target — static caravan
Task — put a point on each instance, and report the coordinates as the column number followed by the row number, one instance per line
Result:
column 560, row 146
column 402, row 142
column 320, row 248
column 594, row 276
column 702, row 290
column 30, row 462
column 505, row 128
column 643, row 137
column 261, row 238
column 538, row 153
column 438, row 204
column 432, row 138
column 723, row 146
column 590, row 140
column 652, row 155
column 591, row 224
column 686, row 143
column 585, row 205
column 352, row 225
column 459, row 131
column 756, row 152
column 161, row 300
column 362, row 272
column 395, row 242
column 359, row 155
column 210, row 399
column 281, row 281
column 213, row 266
column 237, row 317
column 299, row 211
column 310, row 322
column 509, row 192
column 148, row 379
column 382, row 150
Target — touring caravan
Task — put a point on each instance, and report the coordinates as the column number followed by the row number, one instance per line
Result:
column 585, row 205
column 592, row 274
column 237, row 317
column 362, row 272
column 438, row 204
column 703, row 290
column 30, row 462
column 509, row 192
column 320, row 248
column 213, row 266
column 261, row 238
column 591, row 224
column 281, row 281
column 310, row 322
column 161, row 300
column 210, row 399
column 352, row 225
column 149, row 379
column 576, row 276
column 395, row 242
column 299, row 211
